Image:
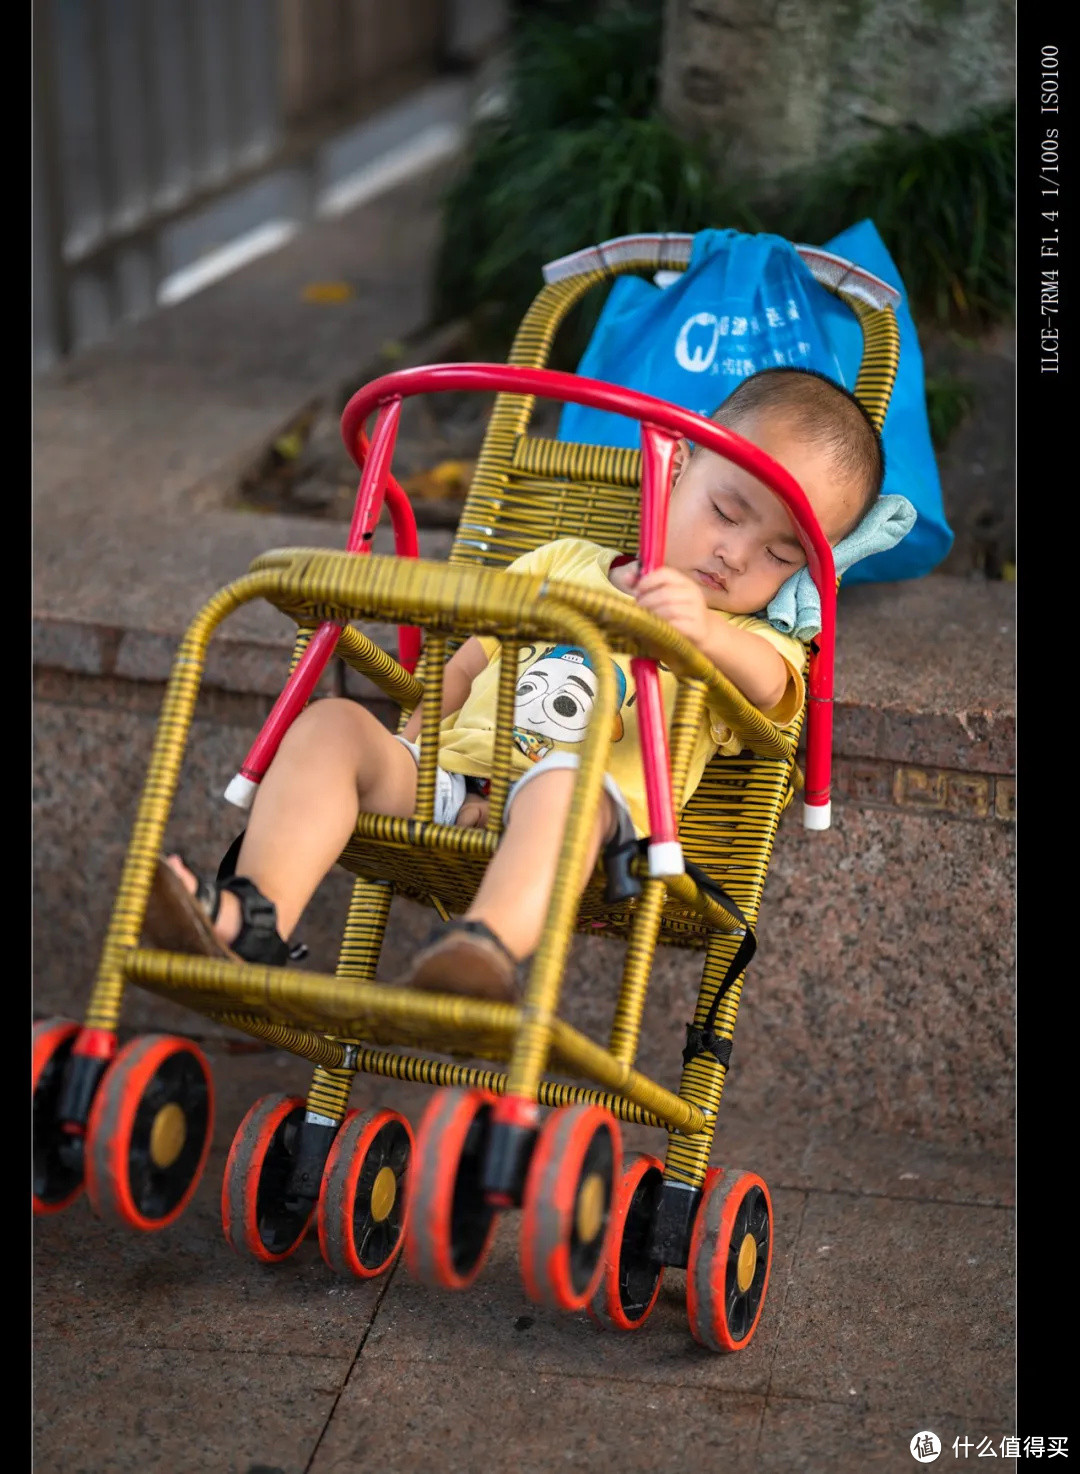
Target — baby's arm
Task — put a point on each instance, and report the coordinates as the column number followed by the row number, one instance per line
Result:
column 460, row 671
column 751, row 663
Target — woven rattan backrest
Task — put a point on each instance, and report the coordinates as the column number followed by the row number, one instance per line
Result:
column 527, row 491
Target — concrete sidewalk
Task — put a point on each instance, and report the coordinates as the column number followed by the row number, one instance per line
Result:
column 889, row 1311
column 872, row 1077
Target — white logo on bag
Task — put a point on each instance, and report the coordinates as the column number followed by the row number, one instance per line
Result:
column 698, row 361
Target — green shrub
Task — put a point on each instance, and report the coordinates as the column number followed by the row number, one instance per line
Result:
column 948, row 401
column 581, row 154
column 943, row 205
column 534, row 205
column 569, row 69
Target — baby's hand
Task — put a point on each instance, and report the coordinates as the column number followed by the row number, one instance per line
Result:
column 673, row 596
column 473, row 813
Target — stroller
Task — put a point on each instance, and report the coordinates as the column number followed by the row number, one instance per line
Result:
column 133, row 1125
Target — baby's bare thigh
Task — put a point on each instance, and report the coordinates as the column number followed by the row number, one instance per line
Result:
column 337, row 730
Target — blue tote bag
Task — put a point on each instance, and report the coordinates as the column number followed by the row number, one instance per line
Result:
column 749, row 302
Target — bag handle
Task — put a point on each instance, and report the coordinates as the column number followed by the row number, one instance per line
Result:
column 669, row 252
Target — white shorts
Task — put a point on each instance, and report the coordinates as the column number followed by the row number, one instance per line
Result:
column 450, row 791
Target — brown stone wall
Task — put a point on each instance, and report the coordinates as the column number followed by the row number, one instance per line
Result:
column 786, row 84
column 882, row 994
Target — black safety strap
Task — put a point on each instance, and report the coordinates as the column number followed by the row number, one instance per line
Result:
column 704, row 1040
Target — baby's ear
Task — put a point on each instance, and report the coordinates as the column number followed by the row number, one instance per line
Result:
column 681, row 459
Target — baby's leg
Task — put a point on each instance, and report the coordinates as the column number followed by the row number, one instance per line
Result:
column 514, row 894
column 335, row 760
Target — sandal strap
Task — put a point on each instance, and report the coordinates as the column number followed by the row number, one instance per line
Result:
column 208, row 895
column 258, row 940
column 477, row 928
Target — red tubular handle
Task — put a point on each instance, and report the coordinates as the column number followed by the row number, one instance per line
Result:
column 376, row 469
column 662, row 422
column 374, row 485
column 569, row 388
column 294, row 697
column 657, row 453
column 401, row 513
column 406, row 544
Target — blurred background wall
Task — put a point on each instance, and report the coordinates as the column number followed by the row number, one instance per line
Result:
column 176, row 139
column 165, row 128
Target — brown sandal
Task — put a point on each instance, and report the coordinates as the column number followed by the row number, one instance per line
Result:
column 465, row 957
column 177, row 921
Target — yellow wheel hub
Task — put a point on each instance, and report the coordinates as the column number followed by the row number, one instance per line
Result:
column 167, row 1135
column 590, row 1207
column 383, row 1193
column 744, row 1274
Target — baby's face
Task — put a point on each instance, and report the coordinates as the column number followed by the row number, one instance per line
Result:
column 730, row 533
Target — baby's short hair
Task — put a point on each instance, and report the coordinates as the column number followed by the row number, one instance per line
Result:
column 825, row 412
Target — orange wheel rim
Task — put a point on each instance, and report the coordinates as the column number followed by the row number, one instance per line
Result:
column 243, row 1171
column 111, row 1127
column 49, row 1038
column 439, row 1186
column 387, row 1197
column 711, row 1263
column 555, row 1256
column 607, row 1307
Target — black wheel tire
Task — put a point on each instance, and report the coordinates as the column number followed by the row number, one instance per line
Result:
column 631, row 1280
column 727, row 1273
column 148, row 1133
column 566, row 1207
column 364, row 1198
column 450, row 1227
column 256, row 1221
column 56, row 1182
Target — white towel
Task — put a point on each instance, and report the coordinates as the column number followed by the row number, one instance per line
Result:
column 796, row 608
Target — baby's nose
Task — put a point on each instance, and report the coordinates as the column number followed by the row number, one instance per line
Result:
column 731, row 556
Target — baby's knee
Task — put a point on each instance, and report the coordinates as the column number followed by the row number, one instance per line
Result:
column 332, row 720
column 548, row 795
column 607, row 817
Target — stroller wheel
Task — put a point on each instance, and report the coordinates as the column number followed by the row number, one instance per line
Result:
column 149, row 1132
column 56, row 1183
column 257, row 1222
column 630, row 1282
column 450, row 1226
column 567, row 1205
column 727, row 1272
column 364, row 1199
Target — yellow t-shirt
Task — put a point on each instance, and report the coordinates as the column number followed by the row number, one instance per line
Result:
column 555, row 692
